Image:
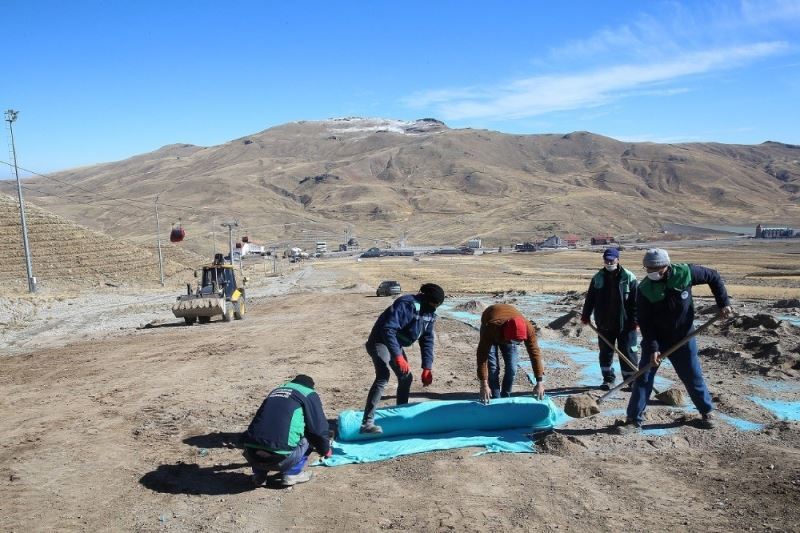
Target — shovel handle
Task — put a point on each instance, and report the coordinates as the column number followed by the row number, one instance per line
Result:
column 617, row 350
column 669, row 352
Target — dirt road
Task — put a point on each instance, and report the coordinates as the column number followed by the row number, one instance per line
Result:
column 136, row 432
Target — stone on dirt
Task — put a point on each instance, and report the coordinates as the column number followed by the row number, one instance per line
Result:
column 581, row 406
column 672, row 397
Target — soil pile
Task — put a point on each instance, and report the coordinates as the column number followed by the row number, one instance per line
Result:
column 572, row 298
column 561, row 445
column 472, row 306
column 762, row 343
column 568, row 324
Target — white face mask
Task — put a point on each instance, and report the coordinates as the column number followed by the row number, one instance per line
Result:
column 611, row 268
column 655, row 276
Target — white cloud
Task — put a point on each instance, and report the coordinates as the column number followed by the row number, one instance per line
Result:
column 538, row 95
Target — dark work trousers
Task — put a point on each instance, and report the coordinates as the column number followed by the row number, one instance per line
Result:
column 383, row 362
column 263, row 461
column 626, row 342
column 687, row 365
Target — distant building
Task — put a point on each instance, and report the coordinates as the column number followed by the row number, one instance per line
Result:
column 774, row 233
column 525, row 247
column 474, row 243
column 602, row 240
column 571, row 240
column 554, row 241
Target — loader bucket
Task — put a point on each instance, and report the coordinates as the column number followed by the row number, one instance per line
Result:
column 198, row 306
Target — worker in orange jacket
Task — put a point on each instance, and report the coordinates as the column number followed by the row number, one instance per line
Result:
column 503, row 328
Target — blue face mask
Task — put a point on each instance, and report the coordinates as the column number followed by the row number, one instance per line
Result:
column 655, row 276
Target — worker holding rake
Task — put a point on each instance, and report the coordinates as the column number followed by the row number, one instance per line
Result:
column 665, row 312
column 612, row 299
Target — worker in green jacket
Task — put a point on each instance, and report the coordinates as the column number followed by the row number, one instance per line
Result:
column 612, row 299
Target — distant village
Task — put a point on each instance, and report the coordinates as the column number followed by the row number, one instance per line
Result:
column 247, row 247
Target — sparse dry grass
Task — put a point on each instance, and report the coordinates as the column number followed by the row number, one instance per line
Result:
column 748, row 270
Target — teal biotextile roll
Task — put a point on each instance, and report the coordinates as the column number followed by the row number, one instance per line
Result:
column 446, row 416
column 505, row 425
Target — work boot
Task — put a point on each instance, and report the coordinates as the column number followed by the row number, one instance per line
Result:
column 628, row 427
column 293, row 479
column 709, row 421
column 370, row 428
column 258, row 479
column 607, row 384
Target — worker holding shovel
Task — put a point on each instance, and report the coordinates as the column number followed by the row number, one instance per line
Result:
column 665, row 313
column 612, row 299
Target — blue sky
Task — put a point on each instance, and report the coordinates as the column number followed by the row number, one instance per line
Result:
column 98, row 81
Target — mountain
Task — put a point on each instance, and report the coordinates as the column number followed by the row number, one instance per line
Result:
column 383, row 179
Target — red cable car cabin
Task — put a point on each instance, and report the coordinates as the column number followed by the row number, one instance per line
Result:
column 177, row 234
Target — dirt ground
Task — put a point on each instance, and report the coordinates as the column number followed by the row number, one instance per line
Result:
column 115, row 416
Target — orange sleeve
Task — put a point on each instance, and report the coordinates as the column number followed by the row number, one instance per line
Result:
column 484, row 345
column 532, row 344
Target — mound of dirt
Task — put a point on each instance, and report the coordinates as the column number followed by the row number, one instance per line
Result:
column 764, row 344
column 788, row 303
column 571, row 298
column 568, row 324
column 472, row 306
column 561, row 445
column 509, row 293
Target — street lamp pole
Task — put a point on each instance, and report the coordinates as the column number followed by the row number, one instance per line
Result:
column 230, row 226
column 10, row 117
column 158, row 241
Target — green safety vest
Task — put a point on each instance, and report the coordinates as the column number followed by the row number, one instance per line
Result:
column 680, row 279
column 297, row 427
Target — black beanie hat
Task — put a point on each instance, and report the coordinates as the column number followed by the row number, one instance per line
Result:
column 304, row 380
column 432, row 294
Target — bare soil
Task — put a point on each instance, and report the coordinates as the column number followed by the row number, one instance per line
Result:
column 133, row 425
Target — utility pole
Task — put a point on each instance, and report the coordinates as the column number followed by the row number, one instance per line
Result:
column 11, row 116
column 158, row 242
column 230, row 226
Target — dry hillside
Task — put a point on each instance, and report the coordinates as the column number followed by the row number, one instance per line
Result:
column 65, row 253
column 382, row 179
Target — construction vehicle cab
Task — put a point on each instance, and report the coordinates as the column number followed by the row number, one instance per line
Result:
column 217, row 293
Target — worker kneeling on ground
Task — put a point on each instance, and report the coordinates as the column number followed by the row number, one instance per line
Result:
column 409, row 319
column 666, row 315
column 503, row 328
column 288, row 426
column 612, row 299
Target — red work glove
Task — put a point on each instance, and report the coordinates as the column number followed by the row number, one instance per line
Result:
column 329, row 453
column 585, row 320
column 402, row 364
column 427, row 377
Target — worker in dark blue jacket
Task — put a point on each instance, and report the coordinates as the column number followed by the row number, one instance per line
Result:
column 408, row 320
column 288, row 426
column 612, row 299
column 666, row 315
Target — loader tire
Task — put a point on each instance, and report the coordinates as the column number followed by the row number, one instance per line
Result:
column 204, row 319
column 189, row 320
column 239, row 308
column 227, row 316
